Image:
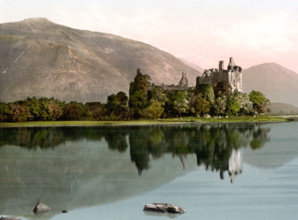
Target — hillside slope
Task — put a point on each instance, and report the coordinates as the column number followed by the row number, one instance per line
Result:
column 41, row 58
column 275, row 81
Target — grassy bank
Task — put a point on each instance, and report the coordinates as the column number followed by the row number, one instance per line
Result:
column 143, row 122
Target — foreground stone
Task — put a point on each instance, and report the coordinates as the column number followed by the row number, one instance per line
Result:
column 9, row 218
column 163, row 207
column 41, row 208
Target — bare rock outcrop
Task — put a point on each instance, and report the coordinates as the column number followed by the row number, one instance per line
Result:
column 41, row 209
column 163, row 207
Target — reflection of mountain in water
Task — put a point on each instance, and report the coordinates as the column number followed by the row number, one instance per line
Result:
column 72, row 167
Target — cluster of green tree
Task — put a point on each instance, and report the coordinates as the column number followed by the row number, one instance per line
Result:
column 204, row 99
column 212, row 145
column 145, row 101
column 50, row 109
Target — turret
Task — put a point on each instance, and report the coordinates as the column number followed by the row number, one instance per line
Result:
column 232, row 63
column 184, row 81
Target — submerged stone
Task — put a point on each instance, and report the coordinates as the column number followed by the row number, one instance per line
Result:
column 163, row 207
column 41, row 208
column 9, row 218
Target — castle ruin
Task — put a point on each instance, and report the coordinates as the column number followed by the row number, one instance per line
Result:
column 231, row 75
column 183, row 84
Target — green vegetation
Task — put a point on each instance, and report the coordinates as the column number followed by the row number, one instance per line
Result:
column 145, row 101
column 234, row 119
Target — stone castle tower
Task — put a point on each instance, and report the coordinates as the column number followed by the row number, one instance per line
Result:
column 232, row 75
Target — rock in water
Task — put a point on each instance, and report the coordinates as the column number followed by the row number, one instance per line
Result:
column 163, row 207
column 9, row 218
column 41, row 208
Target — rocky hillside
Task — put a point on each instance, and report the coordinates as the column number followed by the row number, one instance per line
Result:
column 275, row 81
column 41, row 58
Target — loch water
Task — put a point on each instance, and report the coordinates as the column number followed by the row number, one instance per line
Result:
column 213, row 171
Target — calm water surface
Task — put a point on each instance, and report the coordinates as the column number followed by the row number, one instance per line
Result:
column 222, row 171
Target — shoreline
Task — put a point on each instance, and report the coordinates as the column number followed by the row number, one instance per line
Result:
column 172, row 121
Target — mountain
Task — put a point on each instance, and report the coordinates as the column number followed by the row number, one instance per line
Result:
column 193, row 65
column 278, row 83
column 282, row 108
column 41, row 58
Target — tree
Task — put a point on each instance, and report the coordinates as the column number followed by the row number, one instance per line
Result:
column 202, row 106
column 259, row 101
column 157, row 94
column 222, row 89
column 4, row 112
column 246, row 104
column 206, row 91
column 138, row 102
column 73, row 111
column 37, row 108
column 153, row 111
column 117, row 105
column 97, row 110
column 233, row 105
column 142, row 81
column 18, row 112
column 238, row 102
column 138, row 93
column 54, row 111
column 178, row 103
column 54, row 108
column 220, row 105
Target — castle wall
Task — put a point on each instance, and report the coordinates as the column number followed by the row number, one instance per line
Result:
column 235, row 80
column 232, row 75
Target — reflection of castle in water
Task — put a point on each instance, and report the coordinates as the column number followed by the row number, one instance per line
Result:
column 217, row 147
column 235, row 164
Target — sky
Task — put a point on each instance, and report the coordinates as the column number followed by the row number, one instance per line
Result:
column 200, row 31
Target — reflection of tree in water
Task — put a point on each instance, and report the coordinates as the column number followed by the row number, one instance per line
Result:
column 139, row 148
column 31, row 137
column 215, row 146
column 116, row 140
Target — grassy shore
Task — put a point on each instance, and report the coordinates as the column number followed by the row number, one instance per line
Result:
column 145, row 122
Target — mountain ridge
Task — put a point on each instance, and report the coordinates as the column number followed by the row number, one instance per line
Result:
column 278, row 83
column 41, row 58
column 71, row 64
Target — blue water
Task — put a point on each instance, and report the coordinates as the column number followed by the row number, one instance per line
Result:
column 267, row 187
column 257, row 194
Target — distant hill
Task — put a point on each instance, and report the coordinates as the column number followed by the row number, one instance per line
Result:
column 41, row 58
column 278, row 83
column 282, row 108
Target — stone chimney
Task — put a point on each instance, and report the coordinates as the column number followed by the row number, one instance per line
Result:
column 221, row 65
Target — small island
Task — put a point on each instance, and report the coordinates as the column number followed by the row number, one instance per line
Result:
column 216, row 97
